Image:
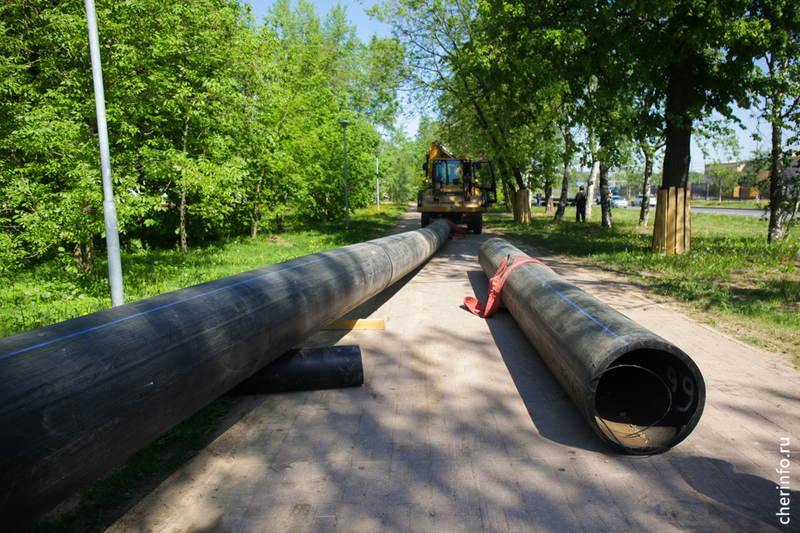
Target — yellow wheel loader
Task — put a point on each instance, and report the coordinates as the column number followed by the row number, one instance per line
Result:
column 457, row 188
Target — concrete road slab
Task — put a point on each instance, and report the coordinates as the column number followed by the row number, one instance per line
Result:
column 460, row 427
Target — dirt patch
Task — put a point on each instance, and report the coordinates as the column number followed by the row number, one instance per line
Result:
column 274, row 239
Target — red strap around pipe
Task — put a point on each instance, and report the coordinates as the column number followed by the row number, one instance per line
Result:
column 455, row 228
column 495, row 286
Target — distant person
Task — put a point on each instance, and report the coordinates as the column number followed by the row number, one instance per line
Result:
column 580, row 202
column 539, row 199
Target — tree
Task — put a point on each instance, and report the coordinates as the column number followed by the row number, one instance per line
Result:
column 726, row 177
column 436, row 34
column 648, row 152
column 700, row 54
column 198, row 105
column 549, row 67
column 48, row 149
column 401, row 167
column 215, row 122
column 778, row 93
column 693, row 56
column 569, row 149
column 319, row 68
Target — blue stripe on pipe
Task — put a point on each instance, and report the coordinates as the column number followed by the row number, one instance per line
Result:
column 573, row 304
column 552, row 348
column 183, row 301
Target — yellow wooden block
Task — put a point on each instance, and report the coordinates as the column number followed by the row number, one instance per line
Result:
column 356, row 324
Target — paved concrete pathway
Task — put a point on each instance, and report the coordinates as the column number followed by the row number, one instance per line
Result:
column 460, row 427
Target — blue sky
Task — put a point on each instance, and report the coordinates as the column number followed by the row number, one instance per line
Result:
column 356, row 12
column 367, row 26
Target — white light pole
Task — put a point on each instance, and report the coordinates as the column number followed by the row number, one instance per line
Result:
column 377, row 183
column 344, row 122
column 109, row 205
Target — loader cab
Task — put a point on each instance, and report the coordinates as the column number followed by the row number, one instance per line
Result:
column 449, row 171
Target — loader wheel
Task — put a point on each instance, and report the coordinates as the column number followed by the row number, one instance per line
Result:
column 426, row 219
column 477, row 223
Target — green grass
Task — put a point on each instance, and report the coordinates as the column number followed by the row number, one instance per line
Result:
column 46, row 294
column 732, row 277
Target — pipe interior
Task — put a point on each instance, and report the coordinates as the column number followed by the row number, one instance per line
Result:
column 645, row 398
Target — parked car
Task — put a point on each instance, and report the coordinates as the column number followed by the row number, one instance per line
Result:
column 638, row 200
column 619, row 201
column 597, row 198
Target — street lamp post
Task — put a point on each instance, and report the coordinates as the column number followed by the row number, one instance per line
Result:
column 109, row 205
column 344, row 122
column 377, row 183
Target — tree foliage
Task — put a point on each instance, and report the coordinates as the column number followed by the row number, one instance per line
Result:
column 510, row 74
column 776, row 89
column 217, row 123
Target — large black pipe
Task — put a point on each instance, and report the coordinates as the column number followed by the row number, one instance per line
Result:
column 78, row 397
column 331, row 367
column 639, row 393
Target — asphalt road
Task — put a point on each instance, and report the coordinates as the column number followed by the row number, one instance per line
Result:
column 735, row 211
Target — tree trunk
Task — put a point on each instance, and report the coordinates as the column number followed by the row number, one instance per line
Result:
column 522, row 207
column 508, row 187
column 182, row 208
column 590, row 187
column 672, row 228
column 145, row 236
column 644, row 213
column 680, row 93
column 562, row 203
column 776, row 185
column 605, row 199
column 592, row 183
column 518, row 177
column 522, row 199
column 84, row 253
column 84, row 257
column 506, row 202
column 548, row 196
column 278, row 209
column 254, row 232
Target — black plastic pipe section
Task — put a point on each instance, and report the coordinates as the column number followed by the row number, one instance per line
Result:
column 332, row 367
column 639, row 393
column 78, row 397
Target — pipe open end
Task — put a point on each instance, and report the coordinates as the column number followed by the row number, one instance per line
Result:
column 646, row 400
